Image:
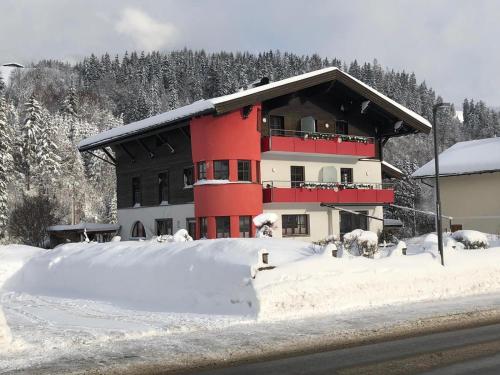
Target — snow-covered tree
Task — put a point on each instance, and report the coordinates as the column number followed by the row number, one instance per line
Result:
column 5, row 165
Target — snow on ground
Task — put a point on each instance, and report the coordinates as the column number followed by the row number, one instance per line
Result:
column 78, row 298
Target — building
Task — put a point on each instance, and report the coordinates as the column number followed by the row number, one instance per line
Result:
column 308, row 148
column 470, row 184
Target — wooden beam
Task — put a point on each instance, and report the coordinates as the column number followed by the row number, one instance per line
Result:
column 165, row 142
column 184, row 133
column 146, row 148
column 110, row 156
column 101, row 158
column 132, row 157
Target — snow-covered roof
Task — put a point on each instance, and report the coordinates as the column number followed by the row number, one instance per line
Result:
column 391, row 170
column 90, row 227
column 479, row 156
column 254, row 95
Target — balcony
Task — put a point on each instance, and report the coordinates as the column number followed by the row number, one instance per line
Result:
column 318, row 143
column 327, row 192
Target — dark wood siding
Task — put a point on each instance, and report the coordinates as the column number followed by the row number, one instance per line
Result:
column 324, row 103
column 148, row 168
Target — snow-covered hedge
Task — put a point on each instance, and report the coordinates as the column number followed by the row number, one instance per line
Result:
column 361, row 242
column 471, row 239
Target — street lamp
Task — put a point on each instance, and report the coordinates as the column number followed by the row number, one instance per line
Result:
column 436, row 185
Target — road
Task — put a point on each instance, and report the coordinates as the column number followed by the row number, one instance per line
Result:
column 463, row 351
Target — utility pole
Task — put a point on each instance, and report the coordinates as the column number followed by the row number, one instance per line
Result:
column 436, row 185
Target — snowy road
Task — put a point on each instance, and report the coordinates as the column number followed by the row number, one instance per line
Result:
column 463, row 351
column 119, row 353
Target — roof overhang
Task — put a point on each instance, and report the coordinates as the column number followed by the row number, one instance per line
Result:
column 227, row 103
column 456, row 174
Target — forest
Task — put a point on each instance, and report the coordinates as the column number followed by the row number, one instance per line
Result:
column 49, row 106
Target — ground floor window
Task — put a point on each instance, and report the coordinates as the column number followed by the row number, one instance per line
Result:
column 222, row 227
column 350, row 221
column 203, row 227
column 191, row 226
column 164, row 227
column 138, row 230
column 245, row 226
column 294, row 225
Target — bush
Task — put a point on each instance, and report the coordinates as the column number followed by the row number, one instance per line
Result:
column 471, row 239
column 29, row 221
column 361, row 242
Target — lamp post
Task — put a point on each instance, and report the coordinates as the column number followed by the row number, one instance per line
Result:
column 436, row 184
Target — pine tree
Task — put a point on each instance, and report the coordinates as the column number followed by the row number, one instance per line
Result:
column 30, row 138
column 5, row 166
column 48, row 159
column 2, row 84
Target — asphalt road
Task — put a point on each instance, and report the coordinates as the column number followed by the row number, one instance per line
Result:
column 464, row 351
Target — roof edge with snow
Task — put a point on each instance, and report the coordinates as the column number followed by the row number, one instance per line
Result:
column 227, row 103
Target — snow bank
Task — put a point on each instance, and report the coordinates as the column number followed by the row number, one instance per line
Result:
column 210, row 276
column 12, row 258
column 215, row 276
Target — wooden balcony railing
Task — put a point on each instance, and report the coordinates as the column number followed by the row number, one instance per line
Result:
column 318, row 143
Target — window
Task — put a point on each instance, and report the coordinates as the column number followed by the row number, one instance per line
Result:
column 257, row 169
column 138, row 230
column 244, row 171
column 202, row 170
column 203, row 227
column 164, row 226
column 341, row 127
column 276, row 125
column 222, row 227
column 221, row 169
column 191, row 226
column 245, row 226
column 294, row 225
column 350, row 221
column 346, row 175
column 163, row 187
column 188, row 177
column 136, row 191
column 297, row 175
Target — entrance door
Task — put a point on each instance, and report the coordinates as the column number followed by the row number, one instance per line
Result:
column 191, row 226
column 349, row 221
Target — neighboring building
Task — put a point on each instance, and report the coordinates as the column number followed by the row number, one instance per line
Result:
column 470, row 184
column 64, row 233
column 289, row 147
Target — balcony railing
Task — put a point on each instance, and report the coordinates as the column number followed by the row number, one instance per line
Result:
column 318, row 143
column 327, row 192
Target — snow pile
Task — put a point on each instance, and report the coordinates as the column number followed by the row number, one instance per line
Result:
column 471, row 239
column 206, row 277
column 12, row 258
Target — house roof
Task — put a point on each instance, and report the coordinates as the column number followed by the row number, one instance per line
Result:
column 254, row 95
column 391, row 170
column 471, row 157
column 90, row 227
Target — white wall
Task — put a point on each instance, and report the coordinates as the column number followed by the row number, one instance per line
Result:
column 276, row 167
column 323, row 221
column 147, row 215
column 473, row 201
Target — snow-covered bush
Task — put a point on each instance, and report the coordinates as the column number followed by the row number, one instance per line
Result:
column 361, row 242
column 471, row 239
column 181, row 235
column 265, row 224
column 331, row 239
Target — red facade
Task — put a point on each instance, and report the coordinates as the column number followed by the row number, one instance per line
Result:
column 231, row 137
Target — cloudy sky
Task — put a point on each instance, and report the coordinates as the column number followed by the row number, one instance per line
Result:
column 452, row 44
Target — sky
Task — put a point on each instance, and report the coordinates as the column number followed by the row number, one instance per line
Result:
column 451, row 44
